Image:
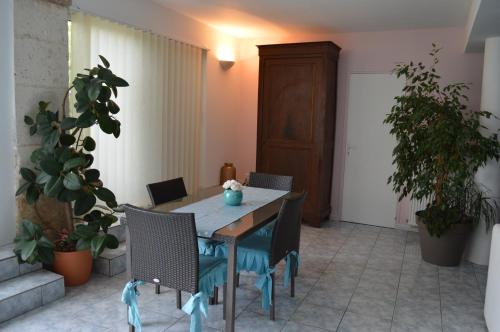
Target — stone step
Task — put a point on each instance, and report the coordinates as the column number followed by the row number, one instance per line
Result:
column 112, row 261
column 29, row 291
column 10, row 268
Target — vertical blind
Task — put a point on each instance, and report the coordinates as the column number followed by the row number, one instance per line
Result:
column 160, row 110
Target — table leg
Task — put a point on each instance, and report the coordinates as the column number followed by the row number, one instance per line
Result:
column 231, row 286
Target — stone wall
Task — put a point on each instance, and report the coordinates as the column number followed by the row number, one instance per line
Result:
column 41, row 73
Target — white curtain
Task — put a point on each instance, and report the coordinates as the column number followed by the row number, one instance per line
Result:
column 160, row 110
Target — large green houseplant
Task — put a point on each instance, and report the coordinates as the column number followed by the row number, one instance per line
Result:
column 62, row 170
column 440, row 146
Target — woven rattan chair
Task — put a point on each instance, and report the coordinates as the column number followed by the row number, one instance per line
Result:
column 261, row 254
column 170, row 190
column 270, row 181
column 166, row 191
column 162, row 249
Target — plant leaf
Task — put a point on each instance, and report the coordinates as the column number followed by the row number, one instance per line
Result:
column 111, row 241
column 43, row 241
column 104, row 61
column 113, row 107
column 89, row 143
column 72, row 181
column 22, row 188
column 45, row 255
column 94, row 89
column 105, row 194
column 67, row 139
column 32, row 194
column 84, row 203
column 27, row 249
column 53, row 187
column 72, row 163
column 82, row 244
column 50, row 166
column 51, row 139
column 92, row 175
column 28, row 120
column 27, row 174
column 97, row 245
column 68, row 123
column 68, row 195
column 43, row 178
column 86, row 119
column 107, row 124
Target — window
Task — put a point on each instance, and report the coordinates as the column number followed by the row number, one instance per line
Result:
column 160, row 110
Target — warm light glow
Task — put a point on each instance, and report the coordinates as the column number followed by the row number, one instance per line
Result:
column 226, row 53
column 239, row 31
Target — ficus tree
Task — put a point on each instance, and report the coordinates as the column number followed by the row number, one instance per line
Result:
column 440, row 146
column 62, row 167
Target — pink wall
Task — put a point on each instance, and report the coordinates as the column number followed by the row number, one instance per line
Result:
column 370, row 52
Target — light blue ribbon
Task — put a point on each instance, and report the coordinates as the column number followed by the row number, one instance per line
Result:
column 196, row 305
column 129, row 297
column 288, row 266
column 265, row 284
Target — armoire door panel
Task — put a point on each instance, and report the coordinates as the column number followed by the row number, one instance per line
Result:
column 289, row 99
column 295, row 162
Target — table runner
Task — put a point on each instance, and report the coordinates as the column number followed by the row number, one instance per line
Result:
column 212, row 214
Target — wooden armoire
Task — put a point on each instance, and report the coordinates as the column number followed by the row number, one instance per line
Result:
column 296, row 119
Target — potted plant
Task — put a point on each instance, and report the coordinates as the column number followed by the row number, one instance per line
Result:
column 62, row 170
column 440, row 146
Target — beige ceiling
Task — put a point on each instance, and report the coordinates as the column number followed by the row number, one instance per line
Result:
column 261, row 18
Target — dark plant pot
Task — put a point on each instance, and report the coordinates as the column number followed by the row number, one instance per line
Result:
column 446, row 250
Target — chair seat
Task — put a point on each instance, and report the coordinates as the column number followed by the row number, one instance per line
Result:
column 207, row 246
column 266, row 230
column 253, row 253
column 213, row 272
column 208, row 263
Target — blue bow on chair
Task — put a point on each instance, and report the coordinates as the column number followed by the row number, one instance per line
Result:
column 129, row 297
column 265, row 285
column 196, row 305
column 288, row 266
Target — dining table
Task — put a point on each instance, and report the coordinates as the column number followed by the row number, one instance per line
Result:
column 247, row 219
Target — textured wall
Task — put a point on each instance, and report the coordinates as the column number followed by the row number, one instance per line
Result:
column 41, row 73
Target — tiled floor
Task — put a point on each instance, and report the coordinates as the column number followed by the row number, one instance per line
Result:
column 352, row 278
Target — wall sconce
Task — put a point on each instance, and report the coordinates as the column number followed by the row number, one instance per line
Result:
column 226, row 57
column 226, row 64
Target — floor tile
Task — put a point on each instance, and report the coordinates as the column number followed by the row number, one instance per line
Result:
column 373, row 306
column 318, row 316
column 252, row 322
column 292, row 326
column 353, row 322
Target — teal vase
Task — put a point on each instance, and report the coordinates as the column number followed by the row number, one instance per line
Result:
column 232, row 197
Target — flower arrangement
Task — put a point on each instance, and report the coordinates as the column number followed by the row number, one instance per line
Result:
column 232, row 185
column 233, row 194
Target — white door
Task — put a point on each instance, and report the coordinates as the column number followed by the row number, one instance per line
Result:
column 367, row 197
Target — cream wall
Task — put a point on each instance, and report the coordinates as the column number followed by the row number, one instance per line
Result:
column 369, row 52
column 222, row 87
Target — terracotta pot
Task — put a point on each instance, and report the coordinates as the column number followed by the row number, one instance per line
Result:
column 74, row 266
column 227, row 172
column 446, row 250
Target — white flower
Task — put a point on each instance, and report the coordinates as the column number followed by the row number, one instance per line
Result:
column 236, row 186
column 227, row 184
